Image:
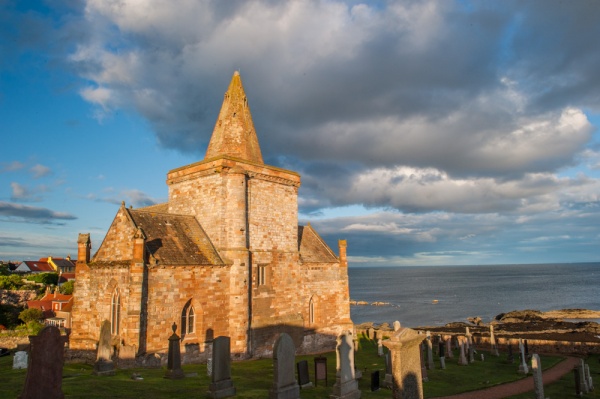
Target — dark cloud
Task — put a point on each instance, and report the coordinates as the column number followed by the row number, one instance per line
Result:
column 32, row 214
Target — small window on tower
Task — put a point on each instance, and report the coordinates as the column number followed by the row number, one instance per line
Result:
column 262, row 275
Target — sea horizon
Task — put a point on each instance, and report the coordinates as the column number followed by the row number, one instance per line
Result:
column 437, row 295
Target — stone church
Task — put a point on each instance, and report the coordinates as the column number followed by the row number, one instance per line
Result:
column 224, row 256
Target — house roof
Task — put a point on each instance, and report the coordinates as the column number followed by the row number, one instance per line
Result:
column 234, row 134
column 38, row 266
column 175, row 239
column 162, row 208
column 64, row 277
column 312, row 247
column 62, row 263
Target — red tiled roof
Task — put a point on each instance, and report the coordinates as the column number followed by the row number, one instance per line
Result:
column 39, row 266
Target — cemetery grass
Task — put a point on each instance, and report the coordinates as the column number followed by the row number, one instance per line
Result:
column 254, row 378
column 565, row 386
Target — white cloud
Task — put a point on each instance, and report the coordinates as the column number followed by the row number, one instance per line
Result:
column 39, row 171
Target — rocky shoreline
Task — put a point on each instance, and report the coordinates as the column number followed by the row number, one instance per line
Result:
column 553, row 325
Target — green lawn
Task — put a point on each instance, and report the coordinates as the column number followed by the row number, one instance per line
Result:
column 254, row 378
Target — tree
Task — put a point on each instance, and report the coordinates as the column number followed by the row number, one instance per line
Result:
column 67, row 288
column 32, row 314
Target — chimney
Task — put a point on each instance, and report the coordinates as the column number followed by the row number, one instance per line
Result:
column 139, row 243
column 343, row 260
column 84, row 246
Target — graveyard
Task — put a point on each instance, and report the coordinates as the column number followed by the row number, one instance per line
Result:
column 254, row 378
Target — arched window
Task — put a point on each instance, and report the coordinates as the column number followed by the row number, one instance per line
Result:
column 188, row 316
column 115, row 313
column 311, row 312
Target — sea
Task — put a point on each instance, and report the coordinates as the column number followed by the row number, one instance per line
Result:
column 437, row 295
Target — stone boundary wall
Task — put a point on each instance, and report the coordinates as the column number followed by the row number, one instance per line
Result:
column 13, row 342
column 16, row 297
column 541, row 346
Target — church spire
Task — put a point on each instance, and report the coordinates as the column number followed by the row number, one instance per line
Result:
column 234, row 133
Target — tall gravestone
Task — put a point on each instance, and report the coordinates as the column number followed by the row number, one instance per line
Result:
column 449, row 353
column 523, row 369
column 430, row 364
column 494, row 349
column 174, row 370
column 44, row 374
column 462, row 359
column 346, row 386
column 104, row 364
column 221, row 385
column 584, row 385
column 404, row 346
column 538, row 382
column 442, row 353
column 285, row 385
column 588, row 377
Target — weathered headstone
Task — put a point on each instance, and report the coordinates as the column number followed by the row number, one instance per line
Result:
column 397, row 325
column 462, row 358
column 538, row 382
column 510, row 357
column 44, row 374
column 303, row 377
column 449, row 353
column 422, row 349
column 320, row 369
column 221, row 385
column 285, row 385
column 346, row 386
column 526, row 346
column 174, row 370
column 576, row 375
column 371, row 333
column 588, row 378
column 523, row 369
column 104, row 364
column 388, row 381
column 494, row 349
column 470, row 347
column 20, row 360
column 584, row 386
column 442, row 353
column 404, row 345
column 379, row 347
column 430, row 364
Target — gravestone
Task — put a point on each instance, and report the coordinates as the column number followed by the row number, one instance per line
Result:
column 221, row 385
column 584, row 385
column 404, row 345
column 523, row 369
column 320, row 369
column 104, row 364
column 442, row 353
column 303, row 377
column 510, row 358
column 44, row 374
column 388, row 381
column 423, row 348
column 20, row 360
column 285, row 385
column 375, row 381
column 470, row 347
column 346, row 386
column 397, row 325
column 538, row 382
column 371, row 333
column 578, row 391
column 494, row 349
column 588, row 378
column 379, row 347
column 449, row 353
column 174, row 370
column 430, row 364
column 462, row 358
column 526, row 346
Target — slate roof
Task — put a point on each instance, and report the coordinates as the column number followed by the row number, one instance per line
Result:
column 175, row 239
column 162, row 208
column 312, row 247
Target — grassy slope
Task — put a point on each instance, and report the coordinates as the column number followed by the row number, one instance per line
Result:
column 254, row 378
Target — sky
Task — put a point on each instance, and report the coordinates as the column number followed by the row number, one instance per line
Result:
column 425, row 132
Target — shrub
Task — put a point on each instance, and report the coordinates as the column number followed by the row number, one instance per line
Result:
column 31, row 315
column 67, row 288
column 45, row 278
column 12, row 282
